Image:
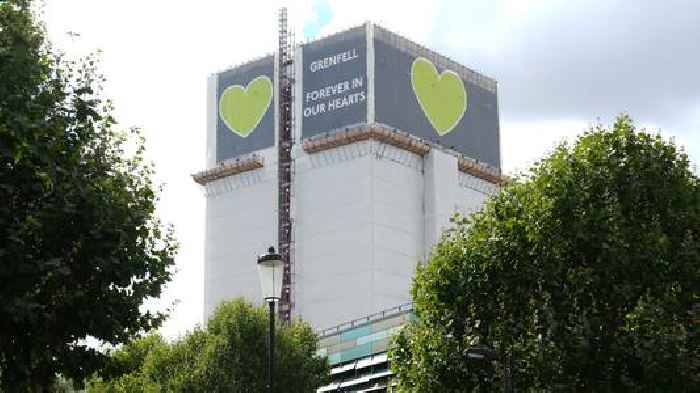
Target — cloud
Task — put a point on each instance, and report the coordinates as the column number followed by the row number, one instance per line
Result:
column 321, row 17
column 583, row 60
column 529, row 141
column 410, row 18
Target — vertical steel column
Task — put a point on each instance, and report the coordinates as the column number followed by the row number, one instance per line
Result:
column 271, row 348
column 285, row 58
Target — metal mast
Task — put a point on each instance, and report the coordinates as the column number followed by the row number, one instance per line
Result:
column 285, row 58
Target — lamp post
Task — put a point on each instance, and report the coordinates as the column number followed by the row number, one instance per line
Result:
column 270, row 274
column 486, row 353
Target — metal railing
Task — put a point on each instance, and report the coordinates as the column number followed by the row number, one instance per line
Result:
column 397, row 310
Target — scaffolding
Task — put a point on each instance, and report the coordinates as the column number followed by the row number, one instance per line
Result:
column 285, row 58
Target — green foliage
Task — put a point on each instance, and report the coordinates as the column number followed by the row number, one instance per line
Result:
column 584, row 272
column 63, row 385
column 230, row 356
column 80, row 246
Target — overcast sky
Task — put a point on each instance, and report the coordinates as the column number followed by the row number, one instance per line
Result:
column 561, row 66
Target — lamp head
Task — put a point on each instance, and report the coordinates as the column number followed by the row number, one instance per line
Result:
column 270, row 271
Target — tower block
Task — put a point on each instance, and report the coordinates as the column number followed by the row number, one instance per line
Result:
column 383, row 140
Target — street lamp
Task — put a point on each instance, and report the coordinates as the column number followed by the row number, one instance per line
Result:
column 270, row 274
column 486, row 353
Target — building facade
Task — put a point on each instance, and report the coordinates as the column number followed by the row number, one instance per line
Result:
column 357, row 351
column 391, row 140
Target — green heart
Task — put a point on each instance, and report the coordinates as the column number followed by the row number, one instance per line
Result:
column 441, row 96
column 243, row 108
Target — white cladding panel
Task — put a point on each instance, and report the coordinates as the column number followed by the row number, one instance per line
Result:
column 365, row 214
column 332, row 236
column 358, row 217
column 398, row 225
column 240, row 224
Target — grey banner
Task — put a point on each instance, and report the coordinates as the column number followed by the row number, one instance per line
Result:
column 245, row 109
column 335, row 82
column 475, row 133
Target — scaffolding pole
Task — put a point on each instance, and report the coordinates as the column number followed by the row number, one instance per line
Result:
column 285, row 170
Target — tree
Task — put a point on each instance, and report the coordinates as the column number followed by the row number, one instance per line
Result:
column 80, row 246
column 580, row 274
column 230, row 356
